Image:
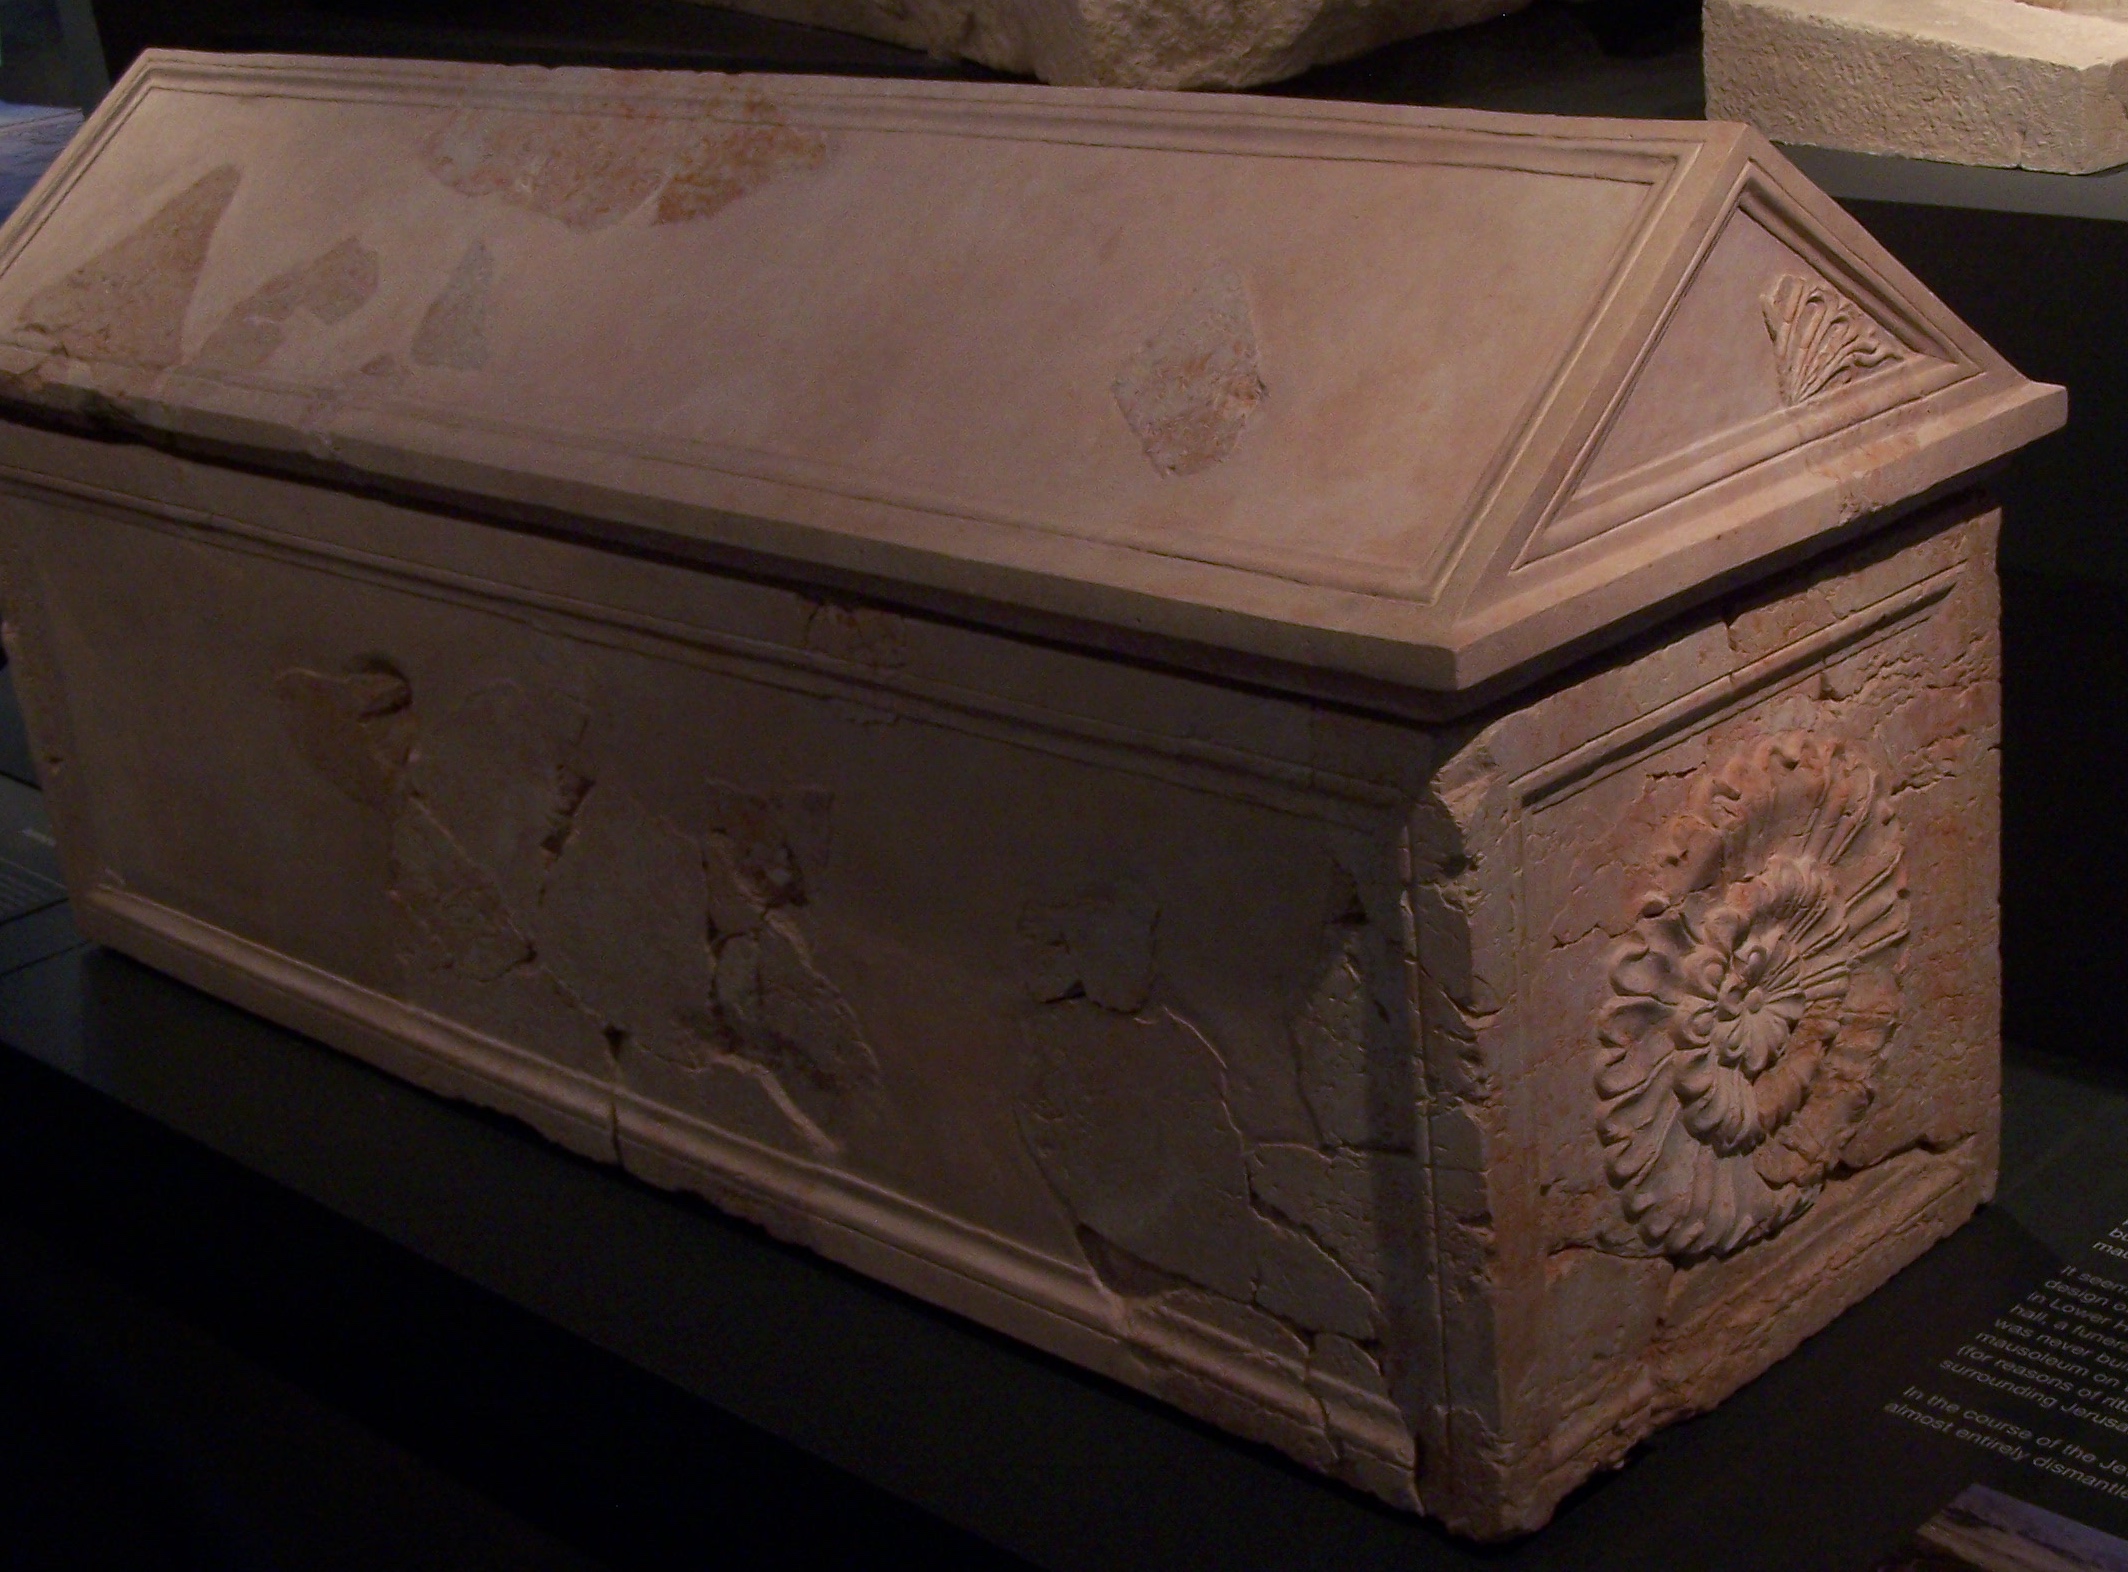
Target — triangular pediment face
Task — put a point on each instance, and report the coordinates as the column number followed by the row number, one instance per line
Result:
column 1772, row 343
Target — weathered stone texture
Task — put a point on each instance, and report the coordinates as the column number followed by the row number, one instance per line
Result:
column 1307, row 1099
column 1127, row 43
column 1768, row 932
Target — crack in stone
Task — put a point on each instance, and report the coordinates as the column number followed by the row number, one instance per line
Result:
column 575, row 893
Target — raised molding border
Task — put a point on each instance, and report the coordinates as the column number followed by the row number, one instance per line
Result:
column 1039, row 1299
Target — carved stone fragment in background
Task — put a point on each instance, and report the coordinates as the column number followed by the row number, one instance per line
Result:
column 1126, row 43
column 1821, row 339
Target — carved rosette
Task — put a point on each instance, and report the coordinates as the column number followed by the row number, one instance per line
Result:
column 1753, row 997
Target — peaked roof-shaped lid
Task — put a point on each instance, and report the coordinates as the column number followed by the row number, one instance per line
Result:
column 1410, row 396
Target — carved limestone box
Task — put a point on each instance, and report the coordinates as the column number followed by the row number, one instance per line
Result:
column 1338, row 760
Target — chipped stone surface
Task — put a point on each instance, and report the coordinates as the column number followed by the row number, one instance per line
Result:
column 758, row 848
column 329, row 288
column 782, row 1013
column 863, row 634
column 744, row 1097
column 1128, row 1118
column 355, row 730
column 1191, row 390
column 1741, row 957
column 1128, row 1121
column 590, row 171
column 1306, row 1100
column 1214, row 988
column 623, row 924
column 500, row 769
column 1118, row 44
column 451, row 901
column 454, row 330
column 1329, row 1035
column 1329, row 1195
column 582, row 170
column 1811, row 845
column 1097, row 946
column 128, row 302
column 539, row 901
column 1994, row 82
column 726, row 164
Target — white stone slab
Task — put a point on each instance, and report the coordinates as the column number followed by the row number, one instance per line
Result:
column 2000, row 82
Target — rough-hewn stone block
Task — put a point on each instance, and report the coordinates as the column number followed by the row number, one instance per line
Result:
column 2006, row 82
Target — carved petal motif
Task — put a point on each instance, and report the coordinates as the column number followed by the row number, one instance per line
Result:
column 1821, row 339
column 1753, row 997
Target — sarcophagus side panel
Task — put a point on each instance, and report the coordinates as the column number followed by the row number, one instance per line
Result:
column 1714, row 985
column 1078, row 999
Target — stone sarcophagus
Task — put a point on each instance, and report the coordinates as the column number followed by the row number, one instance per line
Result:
column 1340, row 761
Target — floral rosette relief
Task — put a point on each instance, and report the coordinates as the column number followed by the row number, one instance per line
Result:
column 1753, row 997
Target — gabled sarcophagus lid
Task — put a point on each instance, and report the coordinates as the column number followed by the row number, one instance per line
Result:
column 1365, row 399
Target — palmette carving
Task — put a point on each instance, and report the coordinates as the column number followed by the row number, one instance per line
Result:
column 1753, row 998
column 1821, row 339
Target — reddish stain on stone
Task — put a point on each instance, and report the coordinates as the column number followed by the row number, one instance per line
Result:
column 588, row 171
column 593, row 169
column 330, row 287
column 731, row 160
column 128, row 303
